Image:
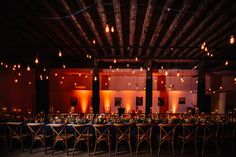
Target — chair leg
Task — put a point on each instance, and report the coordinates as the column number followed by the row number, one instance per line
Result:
column 195, row 143
column 74, row 148
column 116, row 147
column 173, row 149
column 31, row 147
column 95, row 147
column 159, row 147
column 203, row 147
column 150, row 144
column 130, row 149
column 182, row 149
column 137, row 148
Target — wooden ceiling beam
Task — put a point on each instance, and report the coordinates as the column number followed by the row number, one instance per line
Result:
column 117, row 12
column 190, row 39
column 146, row 23
column 174, row 24
column 63, row 25
column 77, row 25
column 103, row 18
column 89, row 20
column 160, row 24
column 132, row 24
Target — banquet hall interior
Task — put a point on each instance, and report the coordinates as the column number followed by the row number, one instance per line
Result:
column 118, row 78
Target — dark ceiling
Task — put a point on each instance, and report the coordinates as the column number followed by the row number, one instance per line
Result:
column 169, row 32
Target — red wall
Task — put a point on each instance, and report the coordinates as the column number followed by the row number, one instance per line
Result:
column 20, row 95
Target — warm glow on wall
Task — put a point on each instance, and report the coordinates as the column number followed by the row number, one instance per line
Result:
column 83, row 96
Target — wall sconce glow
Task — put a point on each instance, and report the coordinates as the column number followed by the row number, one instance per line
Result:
column 231, row 39
column 28, row 68
column 36, row 60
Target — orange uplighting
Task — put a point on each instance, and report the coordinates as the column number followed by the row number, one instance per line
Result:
column 84, row 97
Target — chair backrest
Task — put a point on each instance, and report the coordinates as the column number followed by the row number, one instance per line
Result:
column 101, row 130
column 167, row 131
column 81, row 129
column 122, row 130
column 14, row 128
column 144, row 131
column 58, row 130
column 189, row 130
column 35, row 128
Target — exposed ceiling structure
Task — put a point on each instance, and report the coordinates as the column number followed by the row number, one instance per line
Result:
column 169, row 33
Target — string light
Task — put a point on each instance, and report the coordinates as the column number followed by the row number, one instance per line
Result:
column 36, row 60
column 182, row 79
column 44, row 69
column 112, row 29
column 55, row 74
column 41, row 77
column 1, row 63
column 13, row 68
column 221, row 87
column 75, row 84
column 62, row 77
column 18, row 66
column 203, row 46
column 166, row 72
column 109, row 78
column 60, row 53
column 127, row 64
column 28, row 68
column 6, row 66
column 16, row 80
column 136, row 59
column 47, row 77
column 61, row 82
column 114, row 61
column 231, row 39
column 29, row 83
column 94, row 41
column 178, row 73
column 107, row 29
column 226, row 63
column 95, row 78
column 19, row 74
column 64, row 66
column 148, row 69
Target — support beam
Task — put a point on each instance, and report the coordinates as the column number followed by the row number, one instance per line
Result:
column 95, row 89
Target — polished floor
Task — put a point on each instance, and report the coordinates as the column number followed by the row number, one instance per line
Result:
column 165, row 152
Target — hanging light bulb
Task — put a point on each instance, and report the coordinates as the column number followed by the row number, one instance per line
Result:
column 107, row 29
column 18, row 66
column 114, row 61
column 41, row 77
column 36, row 60
column 79, row 74
column 6, row 66
column 13, row 68
column 19, row 74
column 94, row 41
column 62, row 77
column 231, row 39
column 61, row 82
column 95, row 78
column 127, row 65
column 136, row 59
column 64, row 66
column 112, row 29
column 203, row 46
column 166, row 72
column 221, row 87
column 133, row 72
column 60, row 53
column 28, row 68
column 55, row 74
column 182, row 79
column 141, row 69
column 29, row 83
column 75, row 84
column 109, row 78
column 47, row 77
column 206, row 49
column 226, row 63
column 234, row 78
column 16, row 80
column 148, row 69
column 178, row 73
